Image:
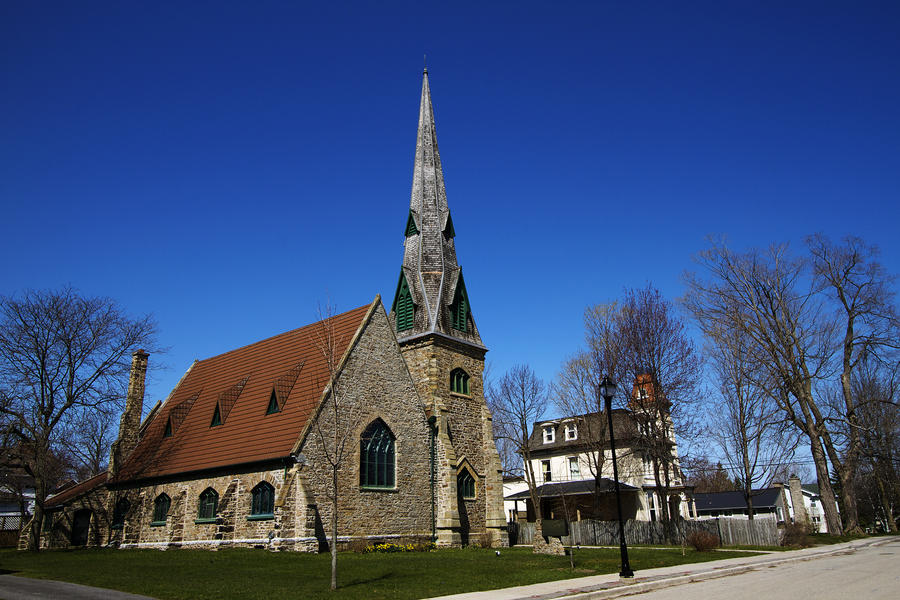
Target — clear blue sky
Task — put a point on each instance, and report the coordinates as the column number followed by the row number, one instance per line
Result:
column 229, row 166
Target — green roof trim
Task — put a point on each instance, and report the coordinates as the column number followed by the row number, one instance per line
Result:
column 411, row 228
column 459, row 309
column 404, row 308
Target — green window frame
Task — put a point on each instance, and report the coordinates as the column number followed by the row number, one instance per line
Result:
column 377, row 458
column 273, row 404
column 262, row 501
column 216, row 418
column 459, row 381
column 459, row 308
column 168, row 431
column 160, row 509
column 121, row 509
column 465, row 485
column 208, row 505
column 405, row 310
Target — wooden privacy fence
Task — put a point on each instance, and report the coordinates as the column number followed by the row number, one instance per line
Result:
column 761, row 531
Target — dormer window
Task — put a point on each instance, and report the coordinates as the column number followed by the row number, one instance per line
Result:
column 273, row 404
column 571, row 431
column 642, row 393
column 549, row 434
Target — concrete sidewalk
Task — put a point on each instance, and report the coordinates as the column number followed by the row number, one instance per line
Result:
column 612, row 586
column 26, row 588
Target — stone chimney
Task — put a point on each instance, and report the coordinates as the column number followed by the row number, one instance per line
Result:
column 797, row 500
column 131, row 417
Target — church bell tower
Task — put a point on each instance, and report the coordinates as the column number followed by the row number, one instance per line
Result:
column 435, row 327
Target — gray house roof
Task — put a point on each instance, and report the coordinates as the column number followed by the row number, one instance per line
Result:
column 734, row 500
column 591, row 426
column 572, row 488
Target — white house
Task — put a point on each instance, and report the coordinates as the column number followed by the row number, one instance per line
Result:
column 571, row 459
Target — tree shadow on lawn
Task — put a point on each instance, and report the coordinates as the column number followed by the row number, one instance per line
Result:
column 358, row 581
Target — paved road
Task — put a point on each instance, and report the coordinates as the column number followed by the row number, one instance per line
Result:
column 868, row 573
column 24, row 588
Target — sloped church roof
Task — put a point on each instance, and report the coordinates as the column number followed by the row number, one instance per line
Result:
column 244, row 406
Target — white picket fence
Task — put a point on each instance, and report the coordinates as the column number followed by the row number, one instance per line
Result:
column 762, row 531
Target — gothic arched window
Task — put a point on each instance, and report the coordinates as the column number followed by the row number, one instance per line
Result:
column 376, row 456
column 459, row 381
column 263, row 500
column 122, row 507
column 208, row 504
column 161, row 509
column 465, row 485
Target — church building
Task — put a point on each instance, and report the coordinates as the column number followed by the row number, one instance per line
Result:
column 241, row 452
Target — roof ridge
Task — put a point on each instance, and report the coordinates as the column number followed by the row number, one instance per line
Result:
column 282, row 334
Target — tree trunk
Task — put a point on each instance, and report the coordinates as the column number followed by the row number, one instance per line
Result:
column 886, row 505
column 334, row 529
column 829, row 503
column 848, row 494
column 37, row 523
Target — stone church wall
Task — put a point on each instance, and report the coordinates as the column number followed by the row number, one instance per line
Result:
column 376, row 375
column 376, row 384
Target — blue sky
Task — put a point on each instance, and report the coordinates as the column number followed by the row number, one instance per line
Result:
column 230, row 166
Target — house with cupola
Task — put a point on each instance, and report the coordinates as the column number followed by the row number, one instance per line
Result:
column 571, row 457
column 240, row 453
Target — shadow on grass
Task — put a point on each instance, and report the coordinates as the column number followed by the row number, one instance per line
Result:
column 367, row 580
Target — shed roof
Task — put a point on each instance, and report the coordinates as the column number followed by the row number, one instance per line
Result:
column 240, row 383
column 79, row 489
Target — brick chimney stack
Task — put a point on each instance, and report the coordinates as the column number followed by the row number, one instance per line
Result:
column 131, row 417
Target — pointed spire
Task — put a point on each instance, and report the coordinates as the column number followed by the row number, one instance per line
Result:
column 430, row 269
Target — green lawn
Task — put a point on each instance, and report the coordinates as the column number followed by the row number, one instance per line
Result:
column 245, row 573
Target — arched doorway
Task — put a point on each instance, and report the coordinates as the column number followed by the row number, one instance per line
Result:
column 81, row 527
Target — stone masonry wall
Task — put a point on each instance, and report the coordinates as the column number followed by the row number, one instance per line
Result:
column 465, row 436
column 374, row 384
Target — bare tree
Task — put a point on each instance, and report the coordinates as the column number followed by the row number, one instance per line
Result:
column 575, row 393
column 659, row 356
column 705, row 475
column 747, row 427
column 639, row 340
column 860, row 288
column 517, row 401
column 61, row 354
column 88, row 440
column 765, row 297
column 337, row 420
column 878, row 417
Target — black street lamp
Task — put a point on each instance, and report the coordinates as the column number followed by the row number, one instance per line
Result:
column 608, row 390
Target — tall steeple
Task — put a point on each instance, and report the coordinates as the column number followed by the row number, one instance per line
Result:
column 431, row 294
column 445, row 356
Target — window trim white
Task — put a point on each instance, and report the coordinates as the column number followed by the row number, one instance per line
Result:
column 549, row 433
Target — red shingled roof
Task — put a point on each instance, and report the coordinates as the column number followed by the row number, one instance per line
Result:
column 240, row 382
column 76, row 490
